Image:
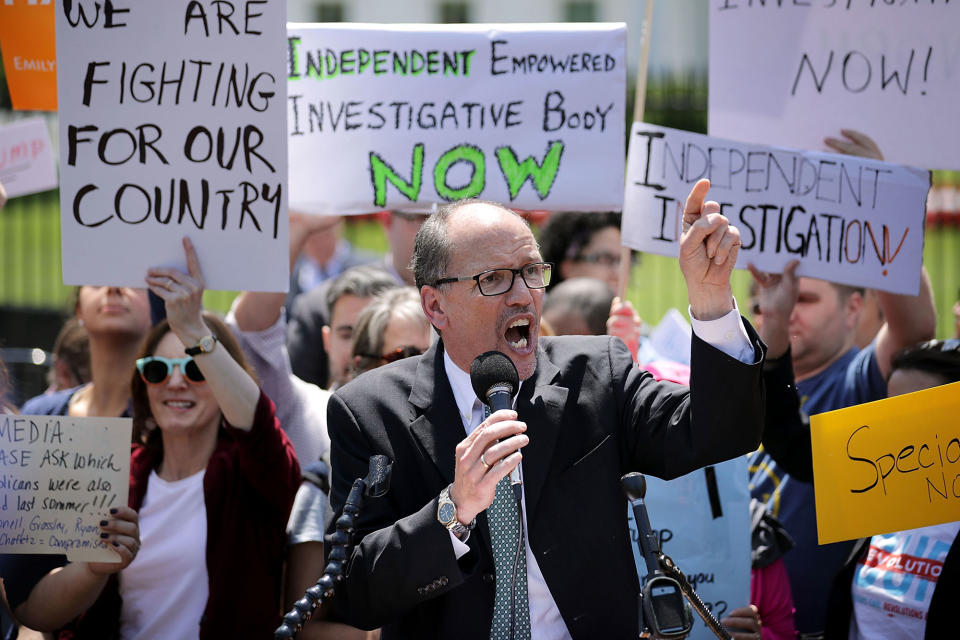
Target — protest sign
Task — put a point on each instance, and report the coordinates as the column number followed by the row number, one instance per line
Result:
column 26, row 158
column 171, row 125
column 702, row 521
column 59, row 477
column 793, row 73
column 889, row 465
column 847, row 219
column 29, row 53
column 404, row 116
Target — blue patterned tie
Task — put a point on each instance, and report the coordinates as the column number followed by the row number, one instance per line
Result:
column 503, row 517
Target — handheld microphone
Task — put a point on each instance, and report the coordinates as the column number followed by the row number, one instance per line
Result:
column 495, row 381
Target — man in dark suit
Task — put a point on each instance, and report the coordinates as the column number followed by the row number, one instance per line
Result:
column 584, row 415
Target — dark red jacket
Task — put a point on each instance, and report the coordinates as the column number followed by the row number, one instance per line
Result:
column 248, row 489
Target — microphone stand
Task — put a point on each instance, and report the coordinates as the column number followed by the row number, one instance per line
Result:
column 663, row 614
column 374, row 485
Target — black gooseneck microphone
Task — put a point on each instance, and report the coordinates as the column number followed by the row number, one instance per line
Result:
column 495, row 381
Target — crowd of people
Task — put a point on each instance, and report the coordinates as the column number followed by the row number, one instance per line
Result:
column 249, row 431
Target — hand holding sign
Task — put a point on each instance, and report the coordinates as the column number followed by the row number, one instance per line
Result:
column 708, row 252
column 183, row 295
column 122, row 534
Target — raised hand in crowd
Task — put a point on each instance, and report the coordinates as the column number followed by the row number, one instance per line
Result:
column 625, row 323
column 776, row 297
column 235, row 391
column 854, row 143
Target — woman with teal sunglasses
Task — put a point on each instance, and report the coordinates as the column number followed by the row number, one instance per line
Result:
column 213, row 477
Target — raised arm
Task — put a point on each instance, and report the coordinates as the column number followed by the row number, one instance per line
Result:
column 235, row 391
column 907, row 321
column 260, row 310
column 708, row 253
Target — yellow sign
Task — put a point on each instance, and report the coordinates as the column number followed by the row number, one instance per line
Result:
column 29, row 49
column 887, row 466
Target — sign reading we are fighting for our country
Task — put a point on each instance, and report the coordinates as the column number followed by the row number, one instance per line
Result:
column 849, row 220
column 172, row 125
column 59, row 476
column 791, row 73
column 889, row 465
column 406, row 116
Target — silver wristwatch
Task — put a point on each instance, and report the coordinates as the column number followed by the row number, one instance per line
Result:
column 447, row 515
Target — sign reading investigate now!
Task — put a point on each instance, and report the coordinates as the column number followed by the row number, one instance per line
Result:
column 887, row 466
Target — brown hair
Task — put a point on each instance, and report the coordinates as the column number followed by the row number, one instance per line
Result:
column 143, row 431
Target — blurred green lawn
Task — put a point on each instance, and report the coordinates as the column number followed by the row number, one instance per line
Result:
column 30, row 265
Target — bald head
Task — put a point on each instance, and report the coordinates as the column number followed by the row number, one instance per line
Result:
column 456, row 222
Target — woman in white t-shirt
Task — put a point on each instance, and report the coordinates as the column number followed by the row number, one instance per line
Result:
column 904, row 584
column 213, row 482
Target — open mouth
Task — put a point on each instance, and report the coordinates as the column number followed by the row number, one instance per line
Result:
column 518, row 333
column 179, row 404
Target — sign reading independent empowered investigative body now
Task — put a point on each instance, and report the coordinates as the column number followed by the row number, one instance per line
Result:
column 172, row 125
column 847, row 219
column 394, row 116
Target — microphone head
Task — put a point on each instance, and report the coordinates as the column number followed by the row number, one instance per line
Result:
column 492, row 369
column 634, row 485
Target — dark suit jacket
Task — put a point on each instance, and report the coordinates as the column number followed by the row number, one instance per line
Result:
column 591, row 415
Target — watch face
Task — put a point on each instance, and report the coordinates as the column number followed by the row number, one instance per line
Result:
column 206, row 343
column 446, row 512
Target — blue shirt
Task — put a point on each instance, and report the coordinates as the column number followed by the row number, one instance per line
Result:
column 854, row 378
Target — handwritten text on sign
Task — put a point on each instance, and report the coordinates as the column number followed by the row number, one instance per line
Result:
column 887, row 466
column 404, row 116
column 702, row 521
column 791, row 73
column 59, row 477
column 26, row 158
column 171, row 124
column 848, row 220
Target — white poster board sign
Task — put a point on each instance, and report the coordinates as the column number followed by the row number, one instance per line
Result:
column 847, row 219
column 26, row 158
column 792, row 73
column 172, row 124
column 702, row 521
column 405, row 116
column 60, row 476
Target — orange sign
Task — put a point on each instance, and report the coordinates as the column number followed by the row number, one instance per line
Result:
column 28, row 42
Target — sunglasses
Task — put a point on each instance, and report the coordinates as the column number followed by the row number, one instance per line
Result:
column 157, row 369
column 397, row 354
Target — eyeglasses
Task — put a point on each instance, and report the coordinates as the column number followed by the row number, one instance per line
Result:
column 157, row 369
column 397, row 354
column 495, row 282
column 604, row 258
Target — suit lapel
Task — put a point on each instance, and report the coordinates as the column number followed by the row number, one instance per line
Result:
column 540, row 405
column 438, row 428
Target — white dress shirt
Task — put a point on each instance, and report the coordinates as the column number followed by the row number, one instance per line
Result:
column 727, row 334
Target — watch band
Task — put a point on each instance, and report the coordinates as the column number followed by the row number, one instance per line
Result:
column 447, row 516
column 206, row 344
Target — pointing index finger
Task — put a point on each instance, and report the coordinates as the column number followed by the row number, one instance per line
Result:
column 694, row 204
